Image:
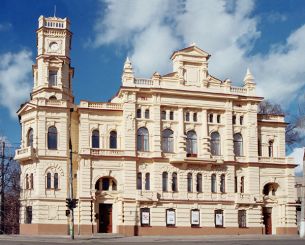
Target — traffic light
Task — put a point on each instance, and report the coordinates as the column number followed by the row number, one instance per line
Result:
column 74, row 203
column 71, row 203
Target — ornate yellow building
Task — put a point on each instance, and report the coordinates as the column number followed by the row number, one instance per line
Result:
column 182, row 153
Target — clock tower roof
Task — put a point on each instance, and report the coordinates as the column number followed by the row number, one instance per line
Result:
column 54, row 22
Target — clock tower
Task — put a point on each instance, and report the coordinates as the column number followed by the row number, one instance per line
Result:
column 53, row 72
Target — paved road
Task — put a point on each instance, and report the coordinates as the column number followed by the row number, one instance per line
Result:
column 206, row 240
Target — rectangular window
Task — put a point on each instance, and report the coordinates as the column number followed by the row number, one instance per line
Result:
column 195, row 218
column 52, row 78
column 171, row 115
column 218, row 118
column 163, row 115
column 218, row 218
column 28, row 215
column 170, row 217
column 145, row 216
column 242, row 218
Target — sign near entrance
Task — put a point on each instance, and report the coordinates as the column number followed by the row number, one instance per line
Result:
column 170, row 217
column 145, row 217
column 195, row 217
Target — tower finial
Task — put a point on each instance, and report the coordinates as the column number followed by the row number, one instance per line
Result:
column 54, row 10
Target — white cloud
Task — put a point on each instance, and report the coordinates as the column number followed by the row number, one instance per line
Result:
column 298, row 154
column 15, row 70
column 5, row 26
column 152, row 30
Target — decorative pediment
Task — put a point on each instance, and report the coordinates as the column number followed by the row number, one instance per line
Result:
column 26, row 107
column 191, row 51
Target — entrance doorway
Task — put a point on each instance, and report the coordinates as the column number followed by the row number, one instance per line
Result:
column 267, row 213
column 105, row 218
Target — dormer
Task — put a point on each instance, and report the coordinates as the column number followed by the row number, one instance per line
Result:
column 191, row 65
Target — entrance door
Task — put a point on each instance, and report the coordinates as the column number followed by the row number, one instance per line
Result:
column 267, row 220
column 105, row 218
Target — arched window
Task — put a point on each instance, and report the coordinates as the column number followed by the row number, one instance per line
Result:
column 187, row 116
column 215, row 144
column 143, row 139
column 139, row 112
column 241, row 120
column 147, row 181
column 164, row 181
column 174, row 182
column 163, row 115
column 218, row 118
column 48, row 180
column 238, row 144
column 213, row 183
column 168, row 140
column 53, row 97
column 199, row 183
column 26, row 181
column 211, row 118
column 30, row 137
column 52, row 138
column 270, row 148
column 147, row 113
column 191, row 143
column 189, row 182
column 95, row 139
column 139, row 181
column 32, row 181
column 222, row 183
column 113, row 140
column 242, row 184
column 234, row 119
column 56, row 181
column 259, row 148
column 195, row 117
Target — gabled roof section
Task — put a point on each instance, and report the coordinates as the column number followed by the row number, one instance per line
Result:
column 191, row 51
column 26, row 107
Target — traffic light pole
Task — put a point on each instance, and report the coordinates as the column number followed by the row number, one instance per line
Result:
column 71, row 192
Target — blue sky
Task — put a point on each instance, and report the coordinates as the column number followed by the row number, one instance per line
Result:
column 267, row 36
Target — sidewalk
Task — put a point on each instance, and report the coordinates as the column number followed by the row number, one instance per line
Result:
column 117, row 238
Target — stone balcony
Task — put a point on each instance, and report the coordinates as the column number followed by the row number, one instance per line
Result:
column 276, row 160
column 25, row 153
column 101, row 152
column 102, row 106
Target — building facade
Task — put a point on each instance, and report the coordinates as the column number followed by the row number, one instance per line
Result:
column 182, row 153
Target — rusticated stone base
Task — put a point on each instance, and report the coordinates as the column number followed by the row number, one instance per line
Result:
column 55, row 229
column 286, row 230
column 161, row 230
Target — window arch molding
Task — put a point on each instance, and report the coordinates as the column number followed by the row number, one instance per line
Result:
column 215, row 143
column 52, row 137
column 238, row 144
column 167, row 140
column 191, row 143
column 30, row 137
column 142, row 139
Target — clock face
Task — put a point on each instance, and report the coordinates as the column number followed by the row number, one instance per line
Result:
column 54, row 46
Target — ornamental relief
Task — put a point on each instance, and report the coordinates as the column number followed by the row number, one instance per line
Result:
column 130, row 122
column 54, row 167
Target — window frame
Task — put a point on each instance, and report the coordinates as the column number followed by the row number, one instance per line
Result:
column 139, row 181
column 143, row 139
column 218, row 211
column 222, row 186
column 144, row 210
column 173, row 212
column 238, row 144
column 30, row 137
column 52, row 138
column 28, row 215
column 195, row 224
column 56, row 181
column 146, row 114
column 191, row 144
column 168, row 141
column 147, row 181
column 242, row 218
column 189, row 182
column 113, row 140
column 199, row 182
column 53, row 78
column 215, row 144
column 48, row 181
column 213, row 183
column 95, row 139
column 165, row 181
column 174, row 182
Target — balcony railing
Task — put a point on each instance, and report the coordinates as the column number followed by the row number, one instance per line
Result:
column 143, row 81
column 238, row 90
column 102, row 152
column 24, row 153
column 276, row 160
column 103, row 106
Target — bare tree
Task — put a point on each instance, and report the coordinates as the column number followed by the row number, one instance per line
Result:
column 295, row 124
column 11, row 189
